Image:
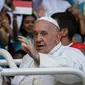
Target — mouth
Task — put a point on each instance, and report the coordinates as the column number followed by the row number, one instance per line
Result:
column 39, row 47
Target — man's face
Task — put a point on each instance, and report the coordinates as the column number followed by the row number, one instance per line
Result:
column 28, row 24
column 45, row 36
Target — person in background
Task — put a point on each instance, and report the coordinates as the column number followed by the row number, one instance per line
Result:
column 69, row 27
column 76, row 11
column 26, row 30
column 48, row 52
column 10, row 9
column 5, row 31
column 48, row 7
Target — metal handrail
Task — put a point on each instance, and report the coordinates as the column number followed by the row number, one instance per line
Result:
column 4, row 62
column 44, row 71
column 8, row 57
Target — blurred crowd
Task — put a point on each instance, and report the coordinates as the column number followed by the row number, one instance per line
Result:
column 12, row 25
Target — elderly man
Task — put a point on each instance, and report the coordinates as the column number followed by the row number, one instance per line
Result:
column 48, row 52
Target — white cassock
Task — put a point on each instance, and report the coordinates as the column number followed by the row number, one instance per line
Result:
column 59, row 56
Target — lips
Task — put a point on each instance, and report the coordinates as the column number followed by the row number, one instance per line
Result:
column 40, row 46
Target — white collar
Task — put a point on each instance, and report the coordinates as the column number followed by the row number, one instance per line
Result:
column 70, row 44
column 56, row 48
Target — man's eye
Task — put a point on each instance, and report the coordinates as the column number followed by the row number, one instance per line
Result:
column 44, row 33
column 35, row 34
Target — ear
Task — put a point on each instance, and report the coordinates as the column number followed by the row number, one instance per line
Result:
column 58, row 36
column 64, row 32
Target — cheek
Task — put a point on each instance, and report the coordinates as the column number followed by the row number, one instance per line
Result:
column 51, row 41
column 34, row 41
column 25, row 25
column 48, row 41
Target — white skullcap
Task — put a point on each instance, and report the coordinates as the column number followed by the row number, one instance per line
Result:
column 49, row 19
column 1, row 4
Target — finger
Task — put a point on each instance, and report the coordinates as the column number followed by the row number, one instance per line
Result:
column 21, row 36
column 25, row 48
column 23, row 40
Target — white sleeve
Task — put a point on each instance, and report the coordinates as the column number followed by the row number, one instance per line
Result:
column 47, row 60
column 28, row 62
column 69, row 58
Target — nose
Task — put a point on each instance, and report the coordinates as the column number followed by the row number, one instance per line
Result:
column 39, row 38
column 31, row 24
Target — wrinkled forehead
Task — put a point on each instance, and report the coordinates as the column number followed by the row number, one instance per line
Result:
column 44, row 25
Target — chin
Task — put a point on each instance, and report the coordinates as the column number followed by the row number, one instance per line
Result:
column 41, row 51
